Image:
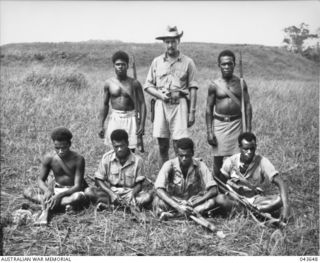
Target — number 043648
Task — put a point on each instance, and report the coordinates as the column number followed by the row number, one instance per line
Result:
column 308, row 259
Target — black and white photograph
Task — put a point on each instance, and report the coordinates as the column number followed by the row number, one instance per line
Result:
column 159, row 128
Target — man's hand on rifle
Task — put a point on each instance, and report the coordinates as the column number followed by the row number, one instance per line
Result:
column 101, row 133
column 55, row 201
column 47, row 195
column 132, row 200
column 212, row 139
column 185, row 209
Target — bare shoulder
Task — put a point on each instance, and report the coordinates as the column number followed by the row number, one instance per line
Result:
column 136, row 83
column 78, row 157
column 47, row 158
column 212, row 87
column 108, row 82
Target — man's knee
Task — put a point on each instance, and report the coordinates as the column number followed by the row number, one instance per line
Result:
column 145, row 198
column 207, row 205
column 33, row 194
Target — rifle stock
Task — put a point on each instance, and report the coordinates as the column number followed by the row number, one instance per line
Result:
column 140, row 143
column 243, row 106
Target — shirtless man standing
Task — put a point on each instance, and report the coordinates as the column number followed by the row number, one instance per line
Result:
column 67, row 187
column 223, row 114
column 125, row 94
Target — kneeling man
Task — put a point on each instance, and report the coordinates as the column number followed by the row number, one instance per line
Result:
column 247, row 173
column 184, row 184
column 67, row 188
column 120, row 175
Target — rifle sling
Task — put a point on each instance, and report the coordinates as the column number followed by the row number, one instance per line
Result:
column 229, row 93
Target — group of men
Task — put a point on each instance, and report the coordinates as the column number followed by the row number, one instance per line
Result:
column 184, row 184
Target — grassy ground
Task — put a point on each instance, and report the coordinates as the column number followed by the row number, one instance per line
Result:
column 47, row 86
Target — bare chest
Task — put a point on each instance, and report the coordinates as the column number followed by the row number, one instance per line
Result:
column 121, row 89
column 232, row 85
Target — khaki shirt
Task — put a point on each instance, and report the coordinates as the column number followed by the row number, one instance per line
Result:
column 166, row 75
column 263, row 174
column 128, row 175
column 198, row 179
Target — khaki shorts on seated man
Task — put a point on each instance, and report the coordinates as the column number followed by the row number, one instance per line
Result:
column 184, row 184
column 247, row 173
column 120, row 176
column 67, row 188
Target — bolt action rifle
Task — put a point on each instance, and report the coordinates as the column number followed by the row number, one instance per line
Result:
column 254, row 212
column 243, row 106
column 137, row 106
column 198, row 218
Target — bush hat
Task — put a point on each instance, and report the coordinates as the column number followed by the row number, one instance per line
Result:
column 170, row 32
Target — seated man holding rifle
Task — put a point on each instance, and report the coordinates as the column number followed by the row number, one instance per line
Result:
column 120, row 176
column 246, row 172
column 184, row 185
column 67, row 188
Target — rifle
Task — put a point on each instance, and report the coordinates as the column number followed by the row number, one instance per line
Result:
column 137, row 108
column 243, row 106
column 243, row 201
column 197, row 217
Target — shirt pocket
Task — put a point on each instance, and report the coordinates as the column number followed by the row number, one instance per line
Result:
column 114, row 177
column 129, row 177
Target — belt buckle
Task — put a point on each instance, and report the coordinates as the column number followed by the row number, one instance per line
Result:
column 226, row 118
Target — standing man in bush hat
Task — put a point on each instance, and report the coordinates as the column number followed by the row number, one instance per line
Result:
column 171, row 80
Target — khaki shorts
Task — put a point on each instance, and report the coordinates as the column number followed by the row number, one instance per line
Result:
column 171, row 119
column 125, row 120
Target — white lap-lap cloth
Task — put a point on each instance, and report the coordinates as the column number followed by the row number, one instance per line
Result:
column 227, row 134
column 125, row 120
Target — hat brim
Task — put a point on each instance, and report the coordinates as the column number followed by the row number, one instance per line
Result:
column 170, row 36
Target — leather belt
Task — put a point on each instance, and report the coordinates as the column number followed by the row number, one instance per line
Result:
column 226, row 118
column 174, row 101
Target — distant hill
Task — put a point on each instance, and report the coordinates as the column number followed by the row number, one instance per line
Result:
column 260, row 61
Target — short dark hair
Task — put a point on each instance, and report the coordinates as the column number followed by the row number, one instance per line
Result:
column 248, row 136
column 226, row 53
column 119, row 135
column 120, row 55
column 61, row 134
column 185, row 144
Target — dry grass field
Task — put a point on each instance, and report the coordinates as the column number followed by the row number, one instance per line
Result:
column 49, row 85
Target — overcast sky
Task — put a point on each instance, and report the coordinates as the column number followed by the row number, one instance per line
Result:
column 242, row 22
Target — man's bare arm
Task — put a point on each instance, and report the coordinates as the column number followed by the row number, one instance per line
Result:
column 43, row 176
column 211, row 99
column 106, row 188
column 212, row 192
column 248, row 107
column 284, row 196
column 182, row 209
column 105, row 108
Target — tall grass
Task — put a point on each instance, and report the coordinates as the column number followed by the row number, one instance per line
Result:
column 37, row 98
